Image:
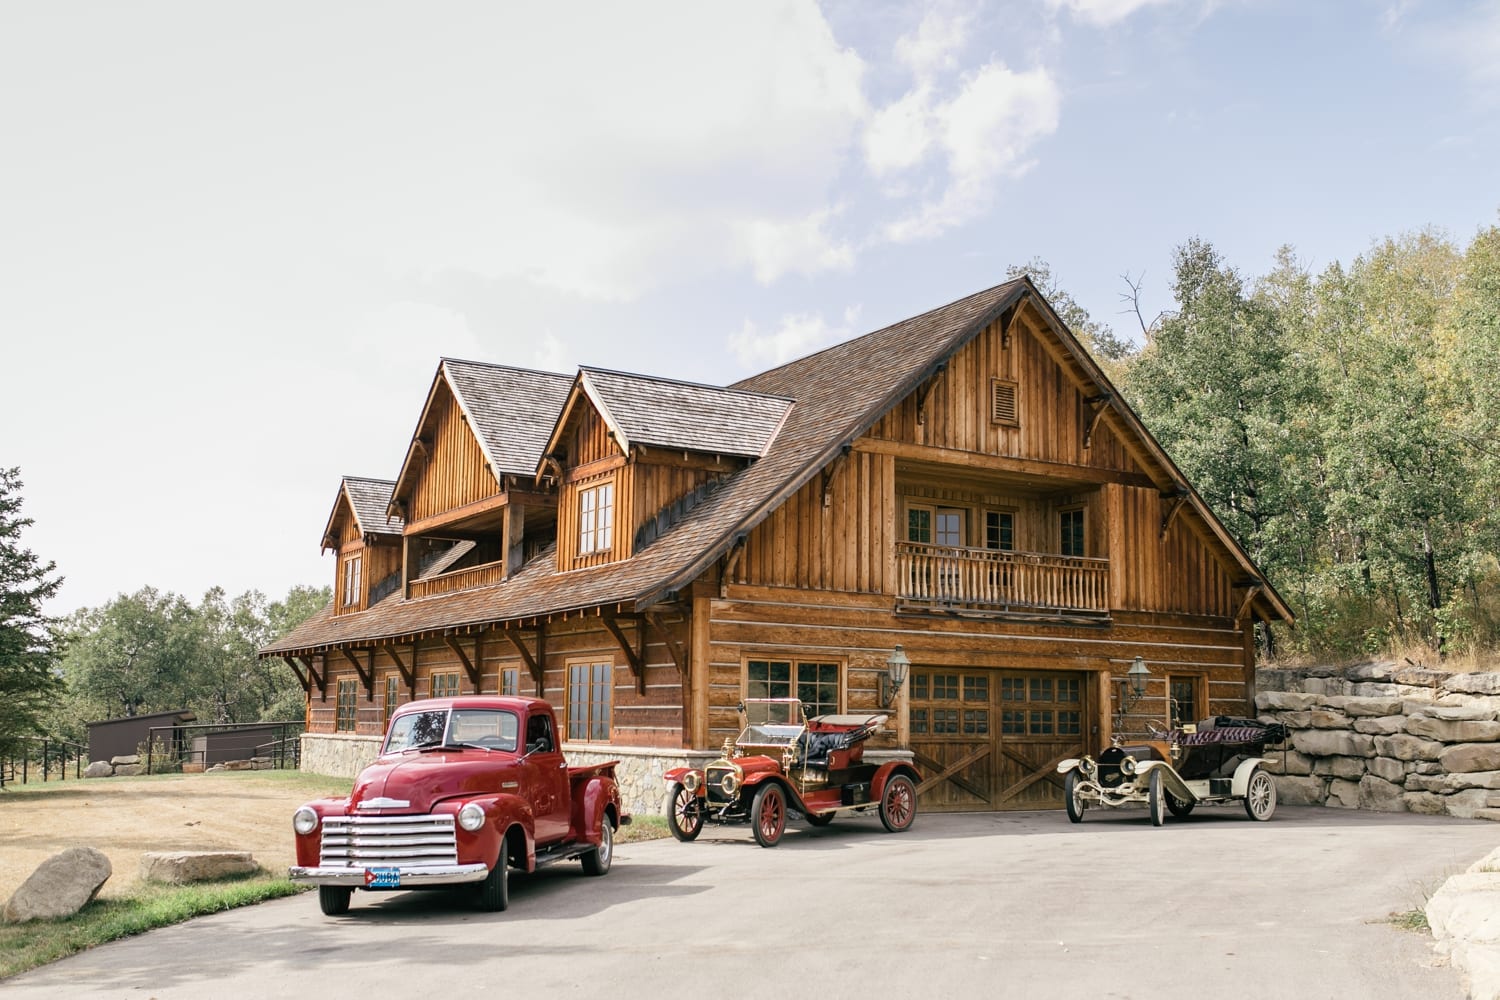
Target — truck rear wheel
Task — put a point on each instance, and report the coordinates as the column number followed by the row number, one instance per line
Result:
column 596, row 862
column 333, row 900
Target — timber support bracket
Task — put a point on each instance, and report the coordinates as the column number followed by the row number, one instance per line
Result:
column 925, row 388
column 535, row 664
column 634, row 655
column 366, row 673
column 1097, row 405
column 1175, row 502
column 471, row 667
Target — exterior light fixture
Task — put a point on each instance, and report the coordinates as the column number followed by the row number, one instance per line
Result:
column 1135, row 684
column 896, row 669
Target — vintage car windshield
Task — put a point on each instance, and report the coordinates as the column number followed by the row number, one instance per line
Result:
column 472, row 726
column 771, row 721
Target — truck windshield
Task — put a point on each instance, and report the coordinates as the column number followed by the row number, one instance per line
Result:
column 465, row 726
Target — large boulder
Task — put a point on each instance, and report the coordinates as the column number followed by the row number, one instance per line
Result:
column 1425, row 803
column 1286, row 701
column 1380, row 795
column 1352, row 768
column 1463, row 757
column 61, row 886
column 1382, row 670
column 1366, row 706
column 1288, row 762
column 1469, row 710
column 1343, row 794
column 1462, row 731
column 1388, row 768
column 1385, row 725
column 1473, row 683
column 99, row 769
column 1333, row 743
column 1295, row 791
column 125, row 758
column 195, row 866
column 1404, row 746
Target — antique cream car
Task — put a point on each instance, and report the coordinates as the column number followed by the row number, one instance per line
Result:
column 1212, row 762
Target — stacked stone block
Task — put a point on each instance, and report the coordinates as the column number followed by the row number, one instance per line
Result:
column 1386, row 736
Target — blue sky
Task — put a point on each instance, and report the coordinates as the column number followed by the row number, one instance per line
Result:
column 235, row 240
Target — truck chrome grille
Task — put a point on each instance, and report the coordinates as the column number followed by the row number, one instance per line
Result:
column 388, row 841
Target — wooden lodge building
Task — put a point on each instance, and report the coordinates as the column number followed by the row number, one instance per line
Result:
column 966, row 484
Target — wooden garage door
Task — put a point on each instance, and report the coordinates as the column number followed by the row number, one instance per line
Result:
column 991, row 739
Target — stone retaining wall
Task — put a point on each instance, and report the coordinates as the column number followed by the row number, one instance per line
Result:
column 1386, row 736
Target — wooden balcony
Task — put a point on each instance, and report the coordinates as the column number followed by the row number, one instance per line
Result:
column 459, row 579
column 941, row 576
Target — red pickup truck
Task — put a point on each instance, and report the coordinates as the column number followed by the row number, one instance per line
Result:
column 464, row 790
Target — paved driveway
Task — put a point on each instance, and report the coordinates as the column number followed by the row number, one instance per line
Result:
column 994, row 905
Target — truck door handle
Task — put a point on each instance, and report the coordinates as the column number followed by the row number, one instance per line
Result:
column 563, row 765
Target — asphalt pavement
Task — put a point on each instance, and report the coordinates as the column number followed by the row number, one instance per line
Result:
column 977, row 905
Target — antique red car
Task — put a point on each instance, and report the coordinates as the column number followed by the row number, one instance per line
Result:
column 1211, row 762
column 464, row 790
column 783, row 762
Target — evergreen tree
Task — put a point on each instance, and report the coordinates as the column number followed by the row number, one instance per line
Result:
column 28, row 637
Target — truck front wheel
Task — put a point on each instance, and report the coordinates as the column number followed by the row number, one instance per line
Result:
column 334, row 899
column 596, row 862
column 494, row 891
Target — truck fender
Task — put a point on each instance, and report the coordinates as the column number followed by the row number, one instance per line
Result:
column 1241, row 783
column 889, row 770
column 1064, row 766
column 1170, row 779
column 512, row 812
column 596, row 803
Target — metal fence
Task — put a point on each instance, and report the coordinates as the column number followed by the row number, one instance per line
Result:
column 42, row 758
column 277, row 744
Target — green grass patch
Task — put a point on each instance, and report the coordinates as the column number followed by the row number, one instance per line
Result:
column 1410, row 920
column 643, row 828
column 37, row 942
column 312, row 785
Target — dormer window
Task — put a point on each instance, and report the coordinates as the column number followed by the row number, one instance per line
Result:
column 596, row 518
column 351, row 581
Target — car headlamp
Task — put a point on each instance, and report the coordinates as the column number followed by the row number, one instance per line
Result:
column 692, row 781
column 471, row 817
column 1088, row 767
column 1128, row 767
column 730, row 783
column 304, row 821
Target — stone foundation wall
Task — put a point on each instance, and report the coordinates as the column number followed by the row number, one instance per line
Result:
column 1387, row 737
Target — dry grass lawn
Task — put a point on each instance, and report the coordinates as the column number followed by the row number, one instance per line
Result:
column 127, row 817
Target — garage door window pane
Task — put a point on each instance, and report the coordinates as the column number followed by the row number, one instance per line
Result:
column 945, row 720
column 1041, row 689
column 1069, row 723
column 919, row 720
column 1012, row 689
column 976, row 688
column 944, row 687
column 1013, row 723
column 976, row 722
column 1068, row 689
column 1041, row 724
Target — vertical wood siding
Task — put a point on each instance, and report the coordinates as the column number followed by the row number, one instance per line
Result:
column 455, row 471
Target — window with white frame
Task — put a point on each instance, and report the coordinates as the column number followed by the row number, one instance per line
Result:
column 596, row 518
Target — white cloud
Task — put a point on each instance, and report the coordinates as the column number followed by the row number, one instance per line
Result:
column 1103, row 13
column 900, row 134
column 552, row 355
column 934, row 46
column 985, row 133
column 804, row 246
column 795, row 336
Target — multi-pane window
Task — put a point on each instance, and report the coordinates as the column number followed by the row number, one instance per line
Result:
column 1071, row 523
column 510, row 681
column 919, row 525
column 1041, row 706
column 1184, row 693
column 999, row 530
column 351, row 580
column 950, row 704
column 816, row 685
column 596, row 518
column 445, row 685
column 392, row 696
column 589, row 686
column 344, row 717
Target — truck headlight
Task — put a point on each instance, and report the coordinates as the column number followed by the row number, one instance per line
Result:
column 1127, row 767
column 692, row 780
column 304, row 821
column 471, row 817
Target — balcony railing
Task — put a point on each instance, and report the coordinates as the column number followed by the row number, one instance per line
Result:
column 945, row 576
column 459, row 579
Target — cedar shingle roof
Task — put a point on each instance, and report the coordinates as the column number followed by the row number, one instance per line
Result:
column 368, row 499
column 511, row 409
column 664, row 413
column 838, row 393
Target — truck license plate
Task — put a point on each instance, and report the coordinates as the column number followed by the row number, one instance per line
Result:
column 382, row 878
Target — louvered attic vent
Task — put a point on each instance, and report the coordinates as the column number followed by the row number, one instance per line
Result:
column 1002, row 401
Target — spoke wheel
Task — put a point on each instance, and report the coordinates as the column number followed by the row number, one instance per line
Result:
column 768, row 814
column 597, row 861
column 1260, row 796
column 1157, row 796
column 334, row 899
column 898, row 803
column 684, row 813
column 1179, row 807
column 1072, row 799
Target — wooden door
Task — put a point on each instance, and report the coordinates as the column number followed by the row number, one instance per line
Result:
column 991, row 739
